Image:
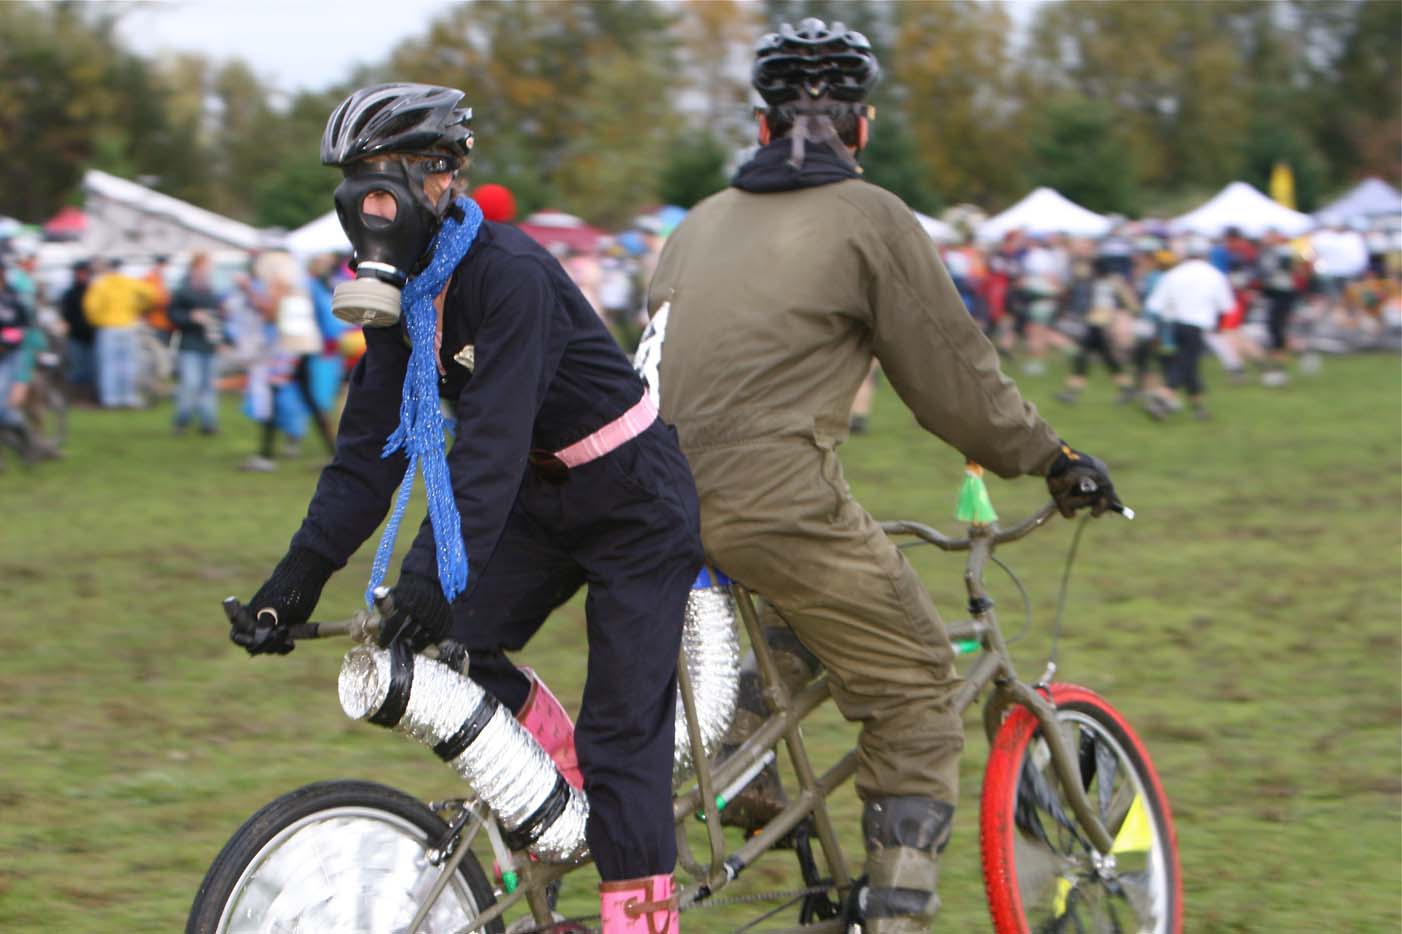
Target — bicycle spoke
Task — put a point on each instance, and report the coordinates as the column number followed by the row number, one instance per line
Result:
column 1088, row 759
column 1112, row 916
column 1107, row 767
column 1043, row 874
column 1136, row 889
column 1114, row 812
column 1042, row 795
column 1030, row 794
column 343, row 874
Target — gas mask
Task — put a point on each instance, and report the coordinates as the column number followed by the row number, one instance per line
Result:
column 388, row 250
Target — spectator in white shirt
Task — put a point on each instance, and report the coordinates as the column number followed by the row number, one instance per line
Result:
column 1041, row 285
column 1189, row 297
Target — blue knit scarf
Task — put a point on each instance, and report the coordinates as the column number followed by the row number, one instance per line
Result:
column 421, row 421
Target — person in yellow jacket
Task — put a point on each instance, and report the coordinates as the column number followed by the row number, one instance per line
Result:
column 114, row 305
column 769, row 303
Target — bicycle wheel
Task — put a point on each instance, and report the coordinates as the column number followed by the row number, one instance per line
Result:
column 1040, row 871
column 336, row 856
column 48, row 409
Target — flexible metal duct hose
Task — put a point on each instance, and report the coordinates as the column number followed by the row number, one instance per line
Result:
column 478, row 738
column 711, row 647
column 509, row 771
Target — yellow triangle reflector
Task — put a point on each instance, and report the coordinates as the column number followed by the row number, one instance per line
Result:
column 1136, row 833
column 1063, row 889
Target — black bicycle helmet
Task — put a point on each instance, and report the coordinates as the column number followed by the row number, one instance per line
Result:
column 815, row 60
column 405, row 118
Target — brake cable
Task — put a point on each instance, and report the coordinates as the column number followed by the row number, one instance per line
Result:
column 1026, row 600
column 1061, row 600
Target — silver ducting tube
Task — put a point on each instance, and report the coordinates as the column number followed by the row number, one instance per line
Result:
column 479, row 739
column 711, row 648
column 509, row 771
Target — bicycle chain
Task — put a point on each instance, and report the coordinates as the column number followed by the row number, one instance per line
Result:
column 759, row 897
column 694, row 906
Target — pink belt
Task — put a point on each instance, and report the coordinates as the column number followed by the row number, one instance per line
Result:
column 624, row 428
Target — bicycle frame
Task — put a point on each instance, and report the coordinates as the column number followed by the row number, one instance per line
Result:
column 994, row 667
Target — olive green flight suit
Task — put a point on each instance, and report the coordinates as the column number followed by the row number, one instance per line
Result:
column 775, row 304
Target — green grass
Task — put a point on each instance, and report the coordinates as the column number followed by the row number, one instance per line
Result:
column 1247, row 623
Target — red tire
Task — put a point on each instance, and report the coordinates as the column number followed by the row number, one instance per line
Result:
column 1039, row 870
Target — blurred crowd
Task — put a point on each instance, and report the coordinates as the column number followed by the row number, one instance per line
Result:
column 1146, row 306
column 1142, row 306
column 123, row 335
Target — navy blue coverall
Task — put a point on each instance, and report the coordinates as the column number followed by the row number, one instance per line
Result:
column 530, row 367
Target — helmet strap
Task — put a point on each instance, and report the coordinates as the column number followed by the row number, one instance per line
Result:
column 814, row 124
column 797, row 138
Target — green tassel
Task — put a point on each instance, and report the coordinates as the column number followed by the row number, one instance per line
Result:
column 974, row 504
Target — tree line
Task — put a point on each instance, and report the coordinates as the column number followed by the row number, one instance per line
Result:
column 603, row 107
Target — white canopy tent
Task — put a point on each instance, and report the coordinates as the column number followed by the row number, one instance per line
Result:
column 1243, row 207
column 1045, row 211
column 939, row 231
column 323, row 235
column 131, row 220
column 1370, row 198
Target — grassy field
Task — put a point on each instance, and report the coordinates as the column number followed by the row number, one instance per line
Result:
column 1247, row 623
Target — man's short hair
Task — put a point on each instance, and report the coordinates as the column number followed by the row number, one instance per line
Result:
column 846, row 124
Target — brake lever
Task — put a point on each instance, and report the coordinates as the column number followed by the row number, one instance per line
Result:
column 234, row 611
column 1087, row 486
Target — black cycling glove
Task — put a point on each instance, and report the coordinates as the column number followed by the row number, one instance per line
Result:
column 287, row 598
column 1078, row 480
column 421, row 614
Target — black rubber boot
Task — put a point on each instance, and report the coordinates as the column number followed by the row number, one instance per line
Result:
column 904, row 836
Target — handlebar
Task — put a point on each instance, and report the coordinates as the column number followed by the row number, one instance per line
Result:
column 995, row 534
column 362, row 627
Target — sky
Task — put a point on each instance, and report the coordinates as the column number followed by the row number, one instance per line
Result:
column 297, row 45
column 302, row 45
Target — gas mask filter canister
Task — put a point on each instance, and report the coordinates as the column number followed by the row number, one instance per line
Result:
column 388, row 250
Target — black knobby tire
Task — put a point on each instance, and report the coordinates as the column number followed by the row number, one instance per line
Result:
column 315, row 854
column 1038, row 865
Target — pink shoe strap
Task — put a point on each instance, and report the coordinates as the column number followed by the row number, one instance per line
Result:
column 645, row 899
column 624, row 428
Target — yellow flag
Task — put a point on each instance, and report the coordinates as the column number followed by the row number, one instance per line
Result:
column 1283, row 185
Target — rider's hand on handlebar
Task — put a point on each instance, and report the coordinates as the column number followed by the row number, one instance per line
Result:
column 287, row 598
column 1077, row 480
column 421, row 615
column 262, row 635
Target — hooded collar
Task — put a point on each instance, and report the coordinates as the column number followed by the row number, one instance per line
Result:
column 770, row 170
